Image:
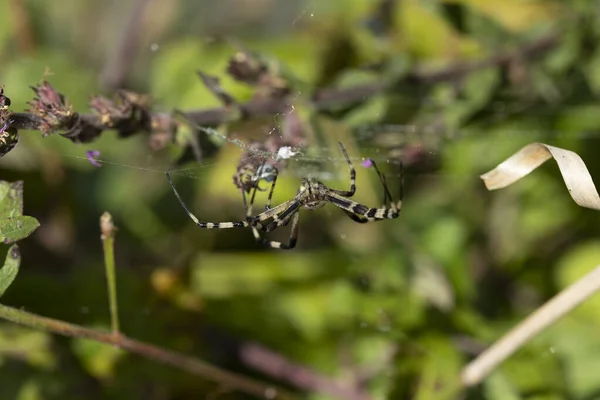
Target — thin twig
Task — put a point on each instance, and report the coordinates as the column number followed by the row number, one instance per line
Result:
column 276, row 365
column 191, row 365
column 458, row 71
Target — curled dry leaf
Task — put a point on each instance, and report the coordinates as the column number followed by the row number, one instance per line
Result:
column 573, row 169
column 582, row 190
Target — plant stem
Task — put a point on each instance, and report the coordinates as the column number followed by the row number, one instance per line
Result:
column 191, row 365
column 109, row 230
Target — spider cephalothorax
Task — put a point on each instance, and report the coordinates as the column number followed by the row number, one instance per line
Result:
column 311, row 195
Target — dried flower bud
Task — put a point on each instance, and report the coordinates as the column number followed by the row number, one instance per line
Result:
column 106, row 109
column 4, row 101
column 164, row 129
column 9, row 137
column 274, row 86
column 52, row 108
column 127, row 113
column 246, row 68
column 133, row 99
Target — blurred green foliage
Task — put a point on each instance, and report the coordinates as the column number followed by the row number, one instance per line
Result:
column 393, row 309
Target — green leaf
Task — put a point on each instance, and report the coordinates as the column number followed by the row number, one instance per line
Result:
column 13, row 225
column 14, row 229
column 535, row 369
column 574, row 342
column 514, row 15
column 427, row 34
column 572, row 266
column 33, row 348
column 497, row 386
column 440, row 370
column 10, row 269
column 98, row 359
column 11, row 199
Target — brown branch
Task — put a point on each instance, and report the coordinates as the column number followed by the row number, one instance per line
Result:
column 90, row 126
column 529, row 51
column 191, row 365
column 277, row 366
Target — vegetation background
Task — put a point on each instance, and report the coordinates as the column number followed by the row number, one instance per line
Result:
column 389, row 310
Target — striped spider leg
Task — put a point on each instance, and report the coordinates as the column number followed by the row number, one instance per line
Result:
column 386, row 195
column 264, row 172
column 281, row 214
column 205, row 225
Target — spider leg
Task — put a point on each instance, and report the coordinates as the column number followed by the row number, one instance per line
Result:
column 279, row 216
column 359, row 212
column 206, row 225
column 249, row 206
column 268, row 204
column 352, row 190
column 280, row 245
column 386, row 192
column 355, row 217
column 363, row 212
column 274, row 173
column 256, row 222
column 283, row 218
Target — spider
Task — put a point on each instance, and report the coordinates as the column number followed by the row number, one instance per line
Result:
column 251, row 171
column 311, row 195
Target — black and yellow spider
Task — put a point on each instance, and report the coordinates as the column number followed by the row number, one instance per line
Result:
column 311, row 195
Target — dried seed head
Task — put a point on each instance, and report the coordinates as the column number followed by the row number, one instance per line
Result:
column 9, row 136
column 52, row 108
column 4, row 101
column 106, row 109
column 163, row 129
column 128, row 112
column 246, row 68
